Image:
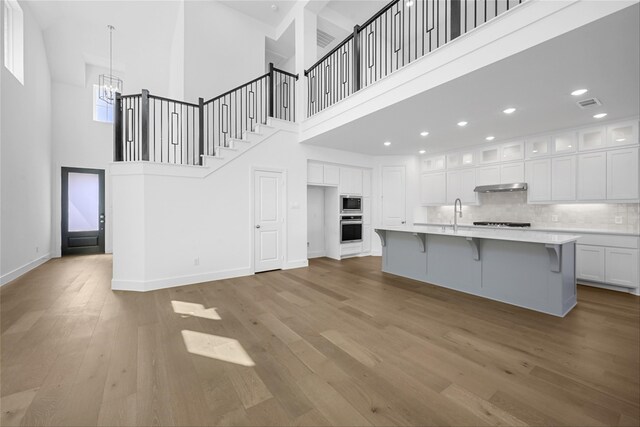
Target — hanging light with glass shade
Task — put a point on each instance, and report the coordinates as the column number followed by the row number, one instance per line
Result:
column 108, row 83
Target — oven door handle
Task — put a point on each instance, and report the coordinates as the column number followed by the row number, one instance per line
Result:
column 350, row 222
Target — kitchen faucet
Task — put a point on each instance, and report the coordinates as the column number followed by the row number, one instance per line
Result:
column 456, row 211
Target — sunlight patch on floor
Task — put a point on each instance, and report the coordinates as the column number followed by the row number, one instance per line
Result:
column 193, row 309
column 216, row 347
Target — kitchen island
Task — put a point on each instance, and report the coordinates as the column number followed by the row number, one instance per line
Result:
column 535, row 270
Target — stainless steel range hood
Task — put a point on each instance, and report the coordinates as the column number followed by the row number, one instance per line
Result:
column 501, row 188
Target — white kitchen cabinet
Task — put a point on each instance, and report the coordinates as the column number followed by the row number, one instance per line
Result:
column 512, row 151
column 366, row 183
column 460, row 185
column 564, row 143
column 351, row 181
column 592, row 138
column 315, row 173
column 321, row 174
column 331, row 175
column 434, row 163
column 622, row 174
column 592, row 176
column 590, row 262
column 366, row 239
column 622, row 133
column 538, row 146
column 460, row 159
column 489, row 154
column 433, row 188
column 488, row 175
column 538, row 174
column 563, row 178
column 621, row 267
column 512, row 172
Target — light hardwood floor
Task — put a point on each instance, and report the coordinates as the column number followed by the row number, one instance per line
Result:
column 338, row 343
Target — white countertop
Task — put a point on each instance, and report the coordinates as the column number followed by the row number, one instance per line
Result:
column 559, row 230
column 493, row 233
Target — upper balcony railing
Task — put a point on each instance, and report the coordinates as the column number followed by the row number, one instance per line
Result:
column 156, row 129
column 400, row 33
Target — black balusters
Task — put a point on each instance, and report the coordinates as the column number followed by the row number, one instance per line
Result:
column 400, row 33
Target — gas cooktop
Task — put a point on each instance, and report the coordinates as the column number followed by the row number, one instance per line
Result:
column 503, row 224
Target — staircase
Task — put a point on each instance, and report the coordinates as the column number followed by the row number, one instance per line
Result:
column 211, row 133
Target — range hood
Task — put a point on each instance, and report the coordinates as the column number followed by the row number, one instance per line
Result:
column 501, row 188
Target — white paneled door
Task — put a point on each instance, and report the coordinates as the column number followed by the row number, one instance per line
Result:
column 269, row 220
column 393, row 195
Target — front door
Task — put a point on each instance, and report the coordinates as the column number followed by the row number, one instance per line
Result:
column 82, row 211
column 268, row 217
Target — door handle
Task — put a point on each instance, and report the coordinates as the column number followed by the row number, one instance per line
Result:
column 404, row 222
column 101, row 216
column 257, row 226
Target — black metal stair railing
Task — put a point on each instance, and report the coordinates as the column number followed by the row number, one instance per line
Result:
column 156, row 129
column 400, row 33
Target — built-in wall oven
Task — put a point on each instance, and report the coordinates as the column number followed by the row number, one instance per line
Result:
column 351, row 228
column 350, row 204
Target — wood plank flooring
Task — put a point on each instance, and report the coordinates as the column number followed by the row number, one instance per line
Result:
column 338, row 343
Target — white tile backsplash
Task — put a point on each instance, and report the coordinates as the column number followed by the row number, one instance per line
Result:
column 514, row 207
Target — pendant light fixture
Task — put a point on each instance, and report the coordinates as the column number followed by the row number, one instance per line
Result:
column 109, row 84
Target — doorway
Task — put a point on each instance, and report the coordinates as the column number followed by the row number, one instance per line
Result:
column 82, row 205
column 268, row 220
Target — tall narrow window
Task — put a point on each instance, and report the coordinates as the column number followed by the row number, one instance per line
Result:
column 102, row 110
column 14, row 38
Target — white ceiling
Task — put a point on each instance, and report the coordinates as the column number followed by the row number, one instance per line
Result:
column 261, row 9
column 602, row 57
column 357, row 11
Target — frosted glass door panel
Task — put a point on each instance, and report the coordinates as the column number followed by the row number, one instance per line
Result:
column 84, row 201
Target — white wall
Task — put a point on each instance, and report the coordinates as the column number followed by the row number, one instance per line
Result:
column 165, row 216
column 223, row 49
column 25, row 224
column 176, row 60
column 315, row 221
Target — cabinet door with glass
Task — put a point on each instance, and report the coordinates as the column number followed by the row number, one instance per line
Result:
column 564, row 143
column 538, row 147
column 622, row 133
column 435, row 163
column 592, row 138
column 512, row 151
column 489, row 154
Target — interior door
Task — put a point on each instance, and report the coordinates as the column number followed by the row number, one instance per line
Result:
column 393, row 195
column 268, row 218
column 82, row 211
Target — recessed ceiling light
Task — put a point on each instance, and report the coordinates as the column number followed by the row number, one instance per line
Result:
column 509, row 110
column 535, row 151
column 462, row 124
column 424, row 133
column 387, row 143
column 621, row 139
column 579, row 92
column 274, row 7
column 409, row 3
column 600, row 115
column 569, row 146
column 422, row 151
column 490, row 138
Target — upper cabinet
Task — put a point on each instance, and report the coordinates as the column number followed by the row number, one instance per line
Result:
column 460, row 185
column 512, row 151
column 433, row 189
column 488, row 175
column 431, row 164
column 625, row 133
column 512, row 172
column 538, row 147
column 489, row 154
column 322, row 174
column 592, row 176
column 563, row 178
column 460, row 159
column 564, row 143
column 592, row 138
column 622, row 174
column 351, row 181
column 539, row 180
column 366, row 183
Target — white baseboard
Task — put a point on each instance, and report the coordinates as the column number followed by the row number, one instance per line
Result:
column 316, row 254
column 13, row 275
column 634, row 291
column 171, row 282
column 296, row 264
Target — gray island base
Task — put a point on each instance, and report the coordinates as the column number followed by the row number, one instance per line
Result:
column 533, row 270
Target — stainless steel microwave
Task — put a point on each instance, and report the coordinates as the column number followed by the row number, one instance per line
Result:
column 350, row 204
